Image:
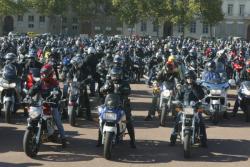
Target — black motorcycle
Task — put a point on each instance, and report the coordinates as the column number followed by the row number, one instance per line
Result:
column 9, row 88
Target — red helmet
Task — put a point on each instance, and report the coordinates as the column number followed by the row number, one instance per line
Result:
column 46, row 72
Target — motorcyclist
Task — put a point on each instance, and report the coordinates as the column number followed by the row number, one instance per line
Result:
column 190, row 92
column 79, row 72
column 91, row 62
column 44, row 87
column 124, row 91
column 11, row 58
column 170, row 75
column 210, row 72
column 245, row 76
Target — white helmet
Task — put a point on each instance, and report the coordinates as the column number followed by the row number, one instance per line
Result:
column 91, row 50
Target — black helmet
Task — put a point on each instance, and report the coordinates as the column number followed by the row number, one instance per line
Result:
column 116, row 73
column 9, row 72
column 190, row 74
column 211, row 66
column 118, row 61
column 10, row 56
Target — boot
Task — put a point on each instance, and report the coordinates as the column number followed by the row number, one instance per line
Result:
column 99, row 140
column 64, row 143
column 131, row 133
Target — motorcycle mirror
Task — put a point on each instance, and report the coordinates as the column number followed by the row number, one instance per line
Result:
column 192, row 103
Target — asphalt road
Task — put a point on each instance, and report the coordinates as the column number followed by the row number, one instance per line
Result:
column 228, row 143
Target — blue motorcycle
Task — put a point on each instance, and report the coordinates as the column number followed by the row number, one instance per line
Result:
column 112, row 121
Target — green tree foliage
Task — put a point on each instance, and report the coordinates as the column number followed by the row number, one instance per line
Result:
column 9, row 7
column 49, row 7
column 211, row 12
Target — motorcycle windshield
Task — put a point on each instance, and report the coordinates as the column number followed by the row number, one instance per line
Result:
column 246, row 84
column 215, row 84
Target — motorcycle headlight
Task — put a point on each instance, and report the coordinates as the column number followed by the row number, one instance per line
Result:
column 215, row 92
column 166, row 93
column 189, row 111
column 110, row 116
column 7, row 85
column 34, row 112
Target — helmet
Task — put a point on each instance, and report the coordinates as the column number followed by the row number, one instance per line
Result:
column 171, row 58
column 77, row 61
column 66, row 61
column 91, row 50
column 46, row 72
column 116, row 73
column 10, row 57
column 211, row 66
column 9, row 72
column 118, row 61
column 190, row 74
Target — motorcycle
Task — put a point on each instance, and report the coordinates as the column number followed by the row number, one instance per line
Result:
column 165, row 104
column 188, row 126
column 9, row 88
column 112, row 123
column 73, row 102
column 41, row 127
column 216, row 98
column 244, row 98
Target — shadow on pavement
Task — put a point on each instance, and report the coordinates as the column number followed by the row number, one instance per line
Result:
column 11, row 139
column 78, row 150
column 3, row 164
column 218, row 150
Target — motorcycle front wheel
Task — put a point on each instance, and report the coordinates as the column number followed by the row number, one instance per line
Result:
column 30, row 146
column 108, row 145
column 72, row 115
column 187, row 145
column 8, row 111
column 163, row 115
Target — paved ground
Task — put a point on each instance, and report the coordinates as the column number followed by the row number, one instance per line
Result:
column 228, row 145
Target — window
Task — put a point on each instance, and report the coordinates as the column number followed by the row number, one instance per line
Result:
column 75, row 20
column 19, row 18
column 230, row 9
column 242, row 10
column 193, row 27
column 155, row 26
column 42, row 19
column 31, row 25
column 64, row 19
column 205, row 28
column 143, row 26
column 180, row 28
column 31, row 18
column 74, row 28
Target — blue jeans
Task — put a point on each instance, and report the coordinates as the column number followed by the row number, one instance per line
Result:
column 57, row 118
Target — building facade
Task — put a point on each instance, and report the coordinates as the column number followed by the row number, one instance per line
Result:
column 236, row 22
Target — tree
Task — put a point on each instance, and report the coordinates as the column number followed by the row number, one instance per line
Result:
column 11, row 7
column 211, row 12
column 183, row 12
column 48, row 7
